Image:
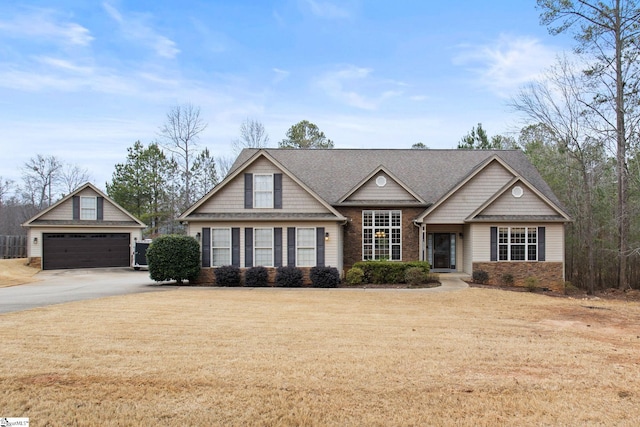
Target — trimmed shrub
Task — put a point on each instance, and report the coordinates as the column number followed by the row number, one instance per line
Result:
column 227, row 275
column 355, row 276
column 324, row 277
column 414, row 276
column 531, row 283
column 388, row 272
column 256, row 277
column 174, row 257
column 480, row 276
column 289, row 277
column 507, row 279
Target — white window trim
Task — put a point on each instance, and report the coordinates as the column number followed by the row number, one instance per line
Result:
column 220, row 247
column 255, row 191
column 314, row 247
column 526, row 244
column 93, row 209
column 256, row 247
column 373, row 227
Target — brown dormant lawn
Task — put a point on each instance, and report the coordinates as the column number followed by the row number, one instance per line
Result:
column 16, row 272
column 207, row 357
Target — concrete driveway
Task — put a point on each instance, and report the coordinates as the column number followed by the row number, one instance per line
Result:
column 60, row 286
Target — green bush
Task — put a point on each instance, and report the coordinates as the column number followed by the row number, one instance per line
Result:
column 480, row 276
column 289, row 277
column 174, row 257
column 531, row 283
column 414, row 276
column 388, row 272
column 227, row 275
column 355, row 276
column 324, row 277
column 256, row 277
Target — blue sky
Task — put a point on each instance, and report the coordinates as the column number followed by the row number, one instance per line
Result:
column 84, row 80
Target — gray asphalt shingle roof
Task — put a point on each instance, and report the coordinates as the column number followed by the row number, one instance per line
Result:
column 431, row 174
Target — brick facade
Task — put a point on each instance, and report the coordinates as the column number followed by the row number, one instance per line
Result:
column 549, row 274
column 352, row 251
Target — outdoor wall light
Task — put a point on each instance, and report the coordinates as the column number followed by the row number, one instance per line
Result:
column 460, row 234
column 35, row 240
column 326, row 236
column 198, row 236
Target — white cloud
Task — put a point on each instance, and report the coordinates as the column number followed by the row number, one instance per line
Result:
column 44, row 25
column 135, row 28
column 348, row 84
column 507, row 64
column 280, row 75
column 325, row 9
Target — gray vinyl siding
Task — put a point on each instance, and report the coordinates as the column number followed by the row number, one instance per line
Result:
column 481, row 242
column 333, row 246
column 64, row 211
column 525, row 205
column 471, row 195
column 230, row 198
column 390, row 191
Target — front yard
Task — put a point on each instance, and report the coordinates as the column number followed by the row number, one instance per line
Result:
column 198, row 356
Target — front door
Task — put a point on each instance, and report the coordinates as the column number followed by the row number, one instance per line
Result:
column 442, row 253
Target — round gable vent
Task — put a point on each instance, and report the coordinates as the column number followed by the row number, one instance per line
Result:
column 381, row 181
column 517, row 191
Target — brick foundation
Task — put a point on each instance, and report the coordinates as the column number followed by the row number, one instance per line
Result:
column 207, row 276
column 549, row 274
column 35, row 262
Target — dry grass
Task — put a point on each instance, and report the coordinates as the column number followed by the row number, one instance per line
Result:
column 16, row 272
column 207, row 357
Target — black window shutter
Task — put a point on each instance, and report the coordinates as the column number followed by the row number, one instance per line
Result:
column 277, row 191
column 248, row 247
column 235, row 247
column 277, row 247
column 206, row 247
column 494, row 243
column 100, row 206
column 320, row 246
column 248, row 191
column 76, row 207
column 541, row 244
column 291, row 246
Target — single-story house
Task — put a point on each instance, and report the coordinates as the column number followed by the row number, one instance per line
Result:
column 85, row 229
column 460, row 210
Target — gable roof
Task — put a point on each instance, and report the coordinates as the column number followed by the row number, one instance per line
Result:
column 430, row 174
column 237, row 169
column 36, row 219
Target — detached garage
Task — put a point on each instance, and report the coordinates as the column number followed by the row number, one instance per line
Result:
column 83, row 230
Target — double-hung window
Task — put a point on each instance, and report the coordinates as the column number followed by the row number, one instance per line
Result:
column 263, row 247
column 263, row 191
column 382, row 235
column 221, row 246
column 517, row 243
column 88, row 208
column 305, row 247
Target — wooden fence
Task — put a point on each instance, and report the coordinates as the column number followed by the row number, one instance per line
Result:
column 13, row 247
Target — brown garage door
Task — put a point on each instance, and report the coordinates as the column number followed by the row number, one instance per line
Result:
column 85, row 250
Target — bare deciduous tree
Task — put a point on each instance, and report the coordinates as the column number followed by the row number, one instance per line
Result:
column 252, row 135
column 607, row 32
column 179, row 135
column 72, row 177
column 40, row 174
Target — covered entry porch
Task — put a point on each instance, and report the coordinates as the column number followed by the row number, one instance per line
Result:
column 442, row 245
